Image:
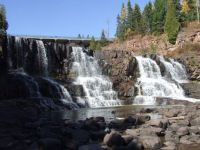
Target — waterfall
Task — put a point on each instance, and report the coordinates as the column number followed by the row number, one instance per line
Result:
column 61, row 92
column 42, row 58
column 97, row 87
column 152, row 84
column 174, row 70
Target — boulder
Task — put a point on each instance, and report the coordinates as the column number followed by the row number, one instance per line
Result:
column 182, row 131
column 150, row 142
column 90, row 147
column 49, row 144
column 113, row 139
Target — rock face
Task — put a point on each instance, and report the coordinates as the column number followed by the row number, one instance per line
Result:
column 30, row 54
column 121, row 67
column 192, row 89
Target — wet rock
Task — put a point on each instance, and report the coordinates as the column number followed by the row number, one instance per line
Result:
column 78, row 135
column 155, row 123
column 127, row 138
column 91, row 147
column 170, row 136
column 6, row 142
column 142, row 119
column 171, row 113
column 150, row 142
column 185, row 140
column 151, row 131
column 195, row 122
column 49, row 144
column 194, row 130
column 182, row 131
column 133, row 132
column 113, row 139
column 169, row 146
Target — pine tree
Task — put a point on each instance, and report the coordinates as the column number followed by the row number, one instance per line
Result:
column 123, row 13
column 3, row 21
column 171, row 25
column 147, row 16
column 79, row 36
column 130, row 17
column 121, row 24
column 103, row 40
column 137, row 18
column 159, row 14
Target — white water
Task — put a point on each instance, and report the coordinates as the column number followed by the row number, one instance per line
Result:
column 174, row 70
column 98, row 88
column 152, row 84
column 65, row 97
column 42, row 58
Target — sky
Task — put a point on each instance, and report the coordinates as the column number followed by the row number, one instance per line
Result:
column 63, row 17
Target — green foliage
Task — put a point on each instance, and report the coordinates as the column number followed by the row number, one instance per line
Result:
column 93, row 43
column 98, row 46
column 153, row 49
column 171, row 25
column 130, row 16
column 147, row 17
column 159, row 14
column 103, row 40
column 137, row 18
column 3, row 21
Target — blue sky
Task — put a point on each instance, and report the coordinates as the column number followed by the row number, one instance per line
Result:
column 63, row 17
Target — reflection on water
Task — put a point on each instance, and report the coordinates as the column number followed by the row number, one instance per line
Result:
column 107, row 113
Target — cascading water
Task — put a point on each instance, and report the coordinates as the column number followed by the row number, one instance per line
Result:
column 97, row 87
column 174, row 70
column 152, row 84
column 42, row 58
column 61, row 92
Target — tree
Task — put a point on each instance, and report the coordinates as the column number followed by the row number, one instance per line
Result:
column 121, row 24
column 3, row 21
column 159, row 14
column 79, row 36
column 103, row 40
column 185, row 7
column 147, row 16
column 93, row 43
column 137, row 18
column 171, row 25
column 130, row 17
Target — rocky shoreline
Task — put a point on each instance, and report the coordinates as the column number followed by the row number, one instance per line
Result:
column 164, row 127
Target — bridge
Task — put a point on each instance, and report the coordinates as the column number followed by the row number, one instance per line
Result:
column 61, row 39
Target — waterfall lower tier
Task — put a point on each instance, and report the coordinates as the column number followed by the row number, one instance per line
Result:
column 152, row 84
column 97, row 87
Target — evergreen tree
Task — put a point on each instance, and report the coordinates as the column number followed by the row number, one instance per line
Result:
column 93, row 43
column 171, row 25
column 137, row 18
column 147, row 16
column 130, row 17
column 121, row 24
column 79, row 36
column 178, row 9
column 159, row 14
column 3, row 21
column 103, row 40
